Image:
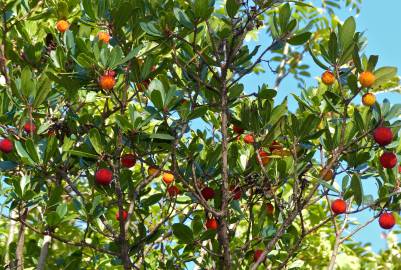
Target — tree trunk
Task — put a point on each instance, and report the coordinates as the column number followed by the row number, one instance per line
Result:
column 43, row 252
column 21, row 241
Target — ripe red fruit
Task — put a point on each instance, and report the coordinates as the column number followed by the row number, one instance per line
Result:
column 107, row 82
column 238, row 129
column 339, row 206
column 173, row 191
column 258, row 253
column 269, row 209
column 237, row 193
column 388, row 160
column 103, row 177
column 29, row 128
column 211, row 224
column 125, row 215
column 128, row 160
column 387, row 220
column 6, row 146
column 275, row 146
column 383, row 136
column 208, row 193
column 249, row 139
column 264, row 157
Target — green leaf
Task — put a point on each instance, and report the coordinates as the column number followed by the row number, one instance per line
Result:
column 161, row 136
column 51, row 148
column 44, row 88
column 96, row 141
column 357, row 189
column 151, row 200
column 353, row 83
column 23, row 153
column 333, row 47
column 182, row 18
column 30, row 147
column 88, row 8
column 61, row 210
column 316, row 60
column 372, row 62
column 203, row 9
column 347, row 32
column 232, row 7
column 150, row 29
column 83, row 154
column 383, row 75
column 300, row 38
column 284, row 16
column 198, row 112
column 183, row 233
column 27, row 85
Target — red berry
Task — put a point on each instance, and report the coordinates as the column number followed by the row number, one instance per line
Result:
column 339, row 206
column 125, row 215
column 237, row 193
column 211, row 224
column 173, row 191
column 29, row 128
column 6, row 146
column 264, row 157
column 388, row 160
column 238, row 130
column 383, row 136
column 208, row 193
column 275, row 146
column 269, row 209
column 249, row 139
column 258, row 253
column 128, row 160
column 387, row 220
column 103, row 177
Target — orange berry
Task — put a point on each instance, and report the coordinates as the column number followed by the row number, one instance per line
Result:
column 368, row 99
column 103, row 36
column 62, row 26
column 328, row 78
column 107, row 82
column 367, row 79
column 168, row 178
column 269, row 209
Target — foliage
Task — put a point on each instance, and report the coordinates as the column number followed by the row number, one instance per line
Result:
column 178, row 94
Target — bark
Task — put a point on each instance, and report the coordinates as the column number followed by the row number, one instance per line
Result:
column 43, row 252
column 21, row 241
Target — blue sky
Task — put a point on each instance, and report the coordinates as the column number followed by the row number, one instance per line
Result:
column 380, row 21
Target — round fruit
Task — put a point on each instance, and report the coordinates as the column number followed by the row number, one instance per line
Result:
column 29, row 128
column 383, row 136
column 173, row 191
column 237, row 193
column 238, row 130
column 258, row 253
column 107, row 82
column 328, row 176
column 269, row 209
column 153, row 171
column 208, row 193
column 328, row 78
column 388, row 160
column 367, row 79
column 125, row 215
column 168, row 178
column 211, row 224
column 339, row 206
column 264, row 157
column 387, row 220
column 368, row 99
column 103, row 177
column 128, row 160
column 249, row 139
column 62, row 26
column 103, row 36
column 6, row 146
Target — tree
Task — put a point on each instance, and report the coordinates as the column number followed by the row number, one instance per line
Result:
column 129, row 140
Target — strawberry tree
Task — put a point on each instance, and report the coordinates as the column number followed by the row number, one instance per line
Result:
column 129, row 139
